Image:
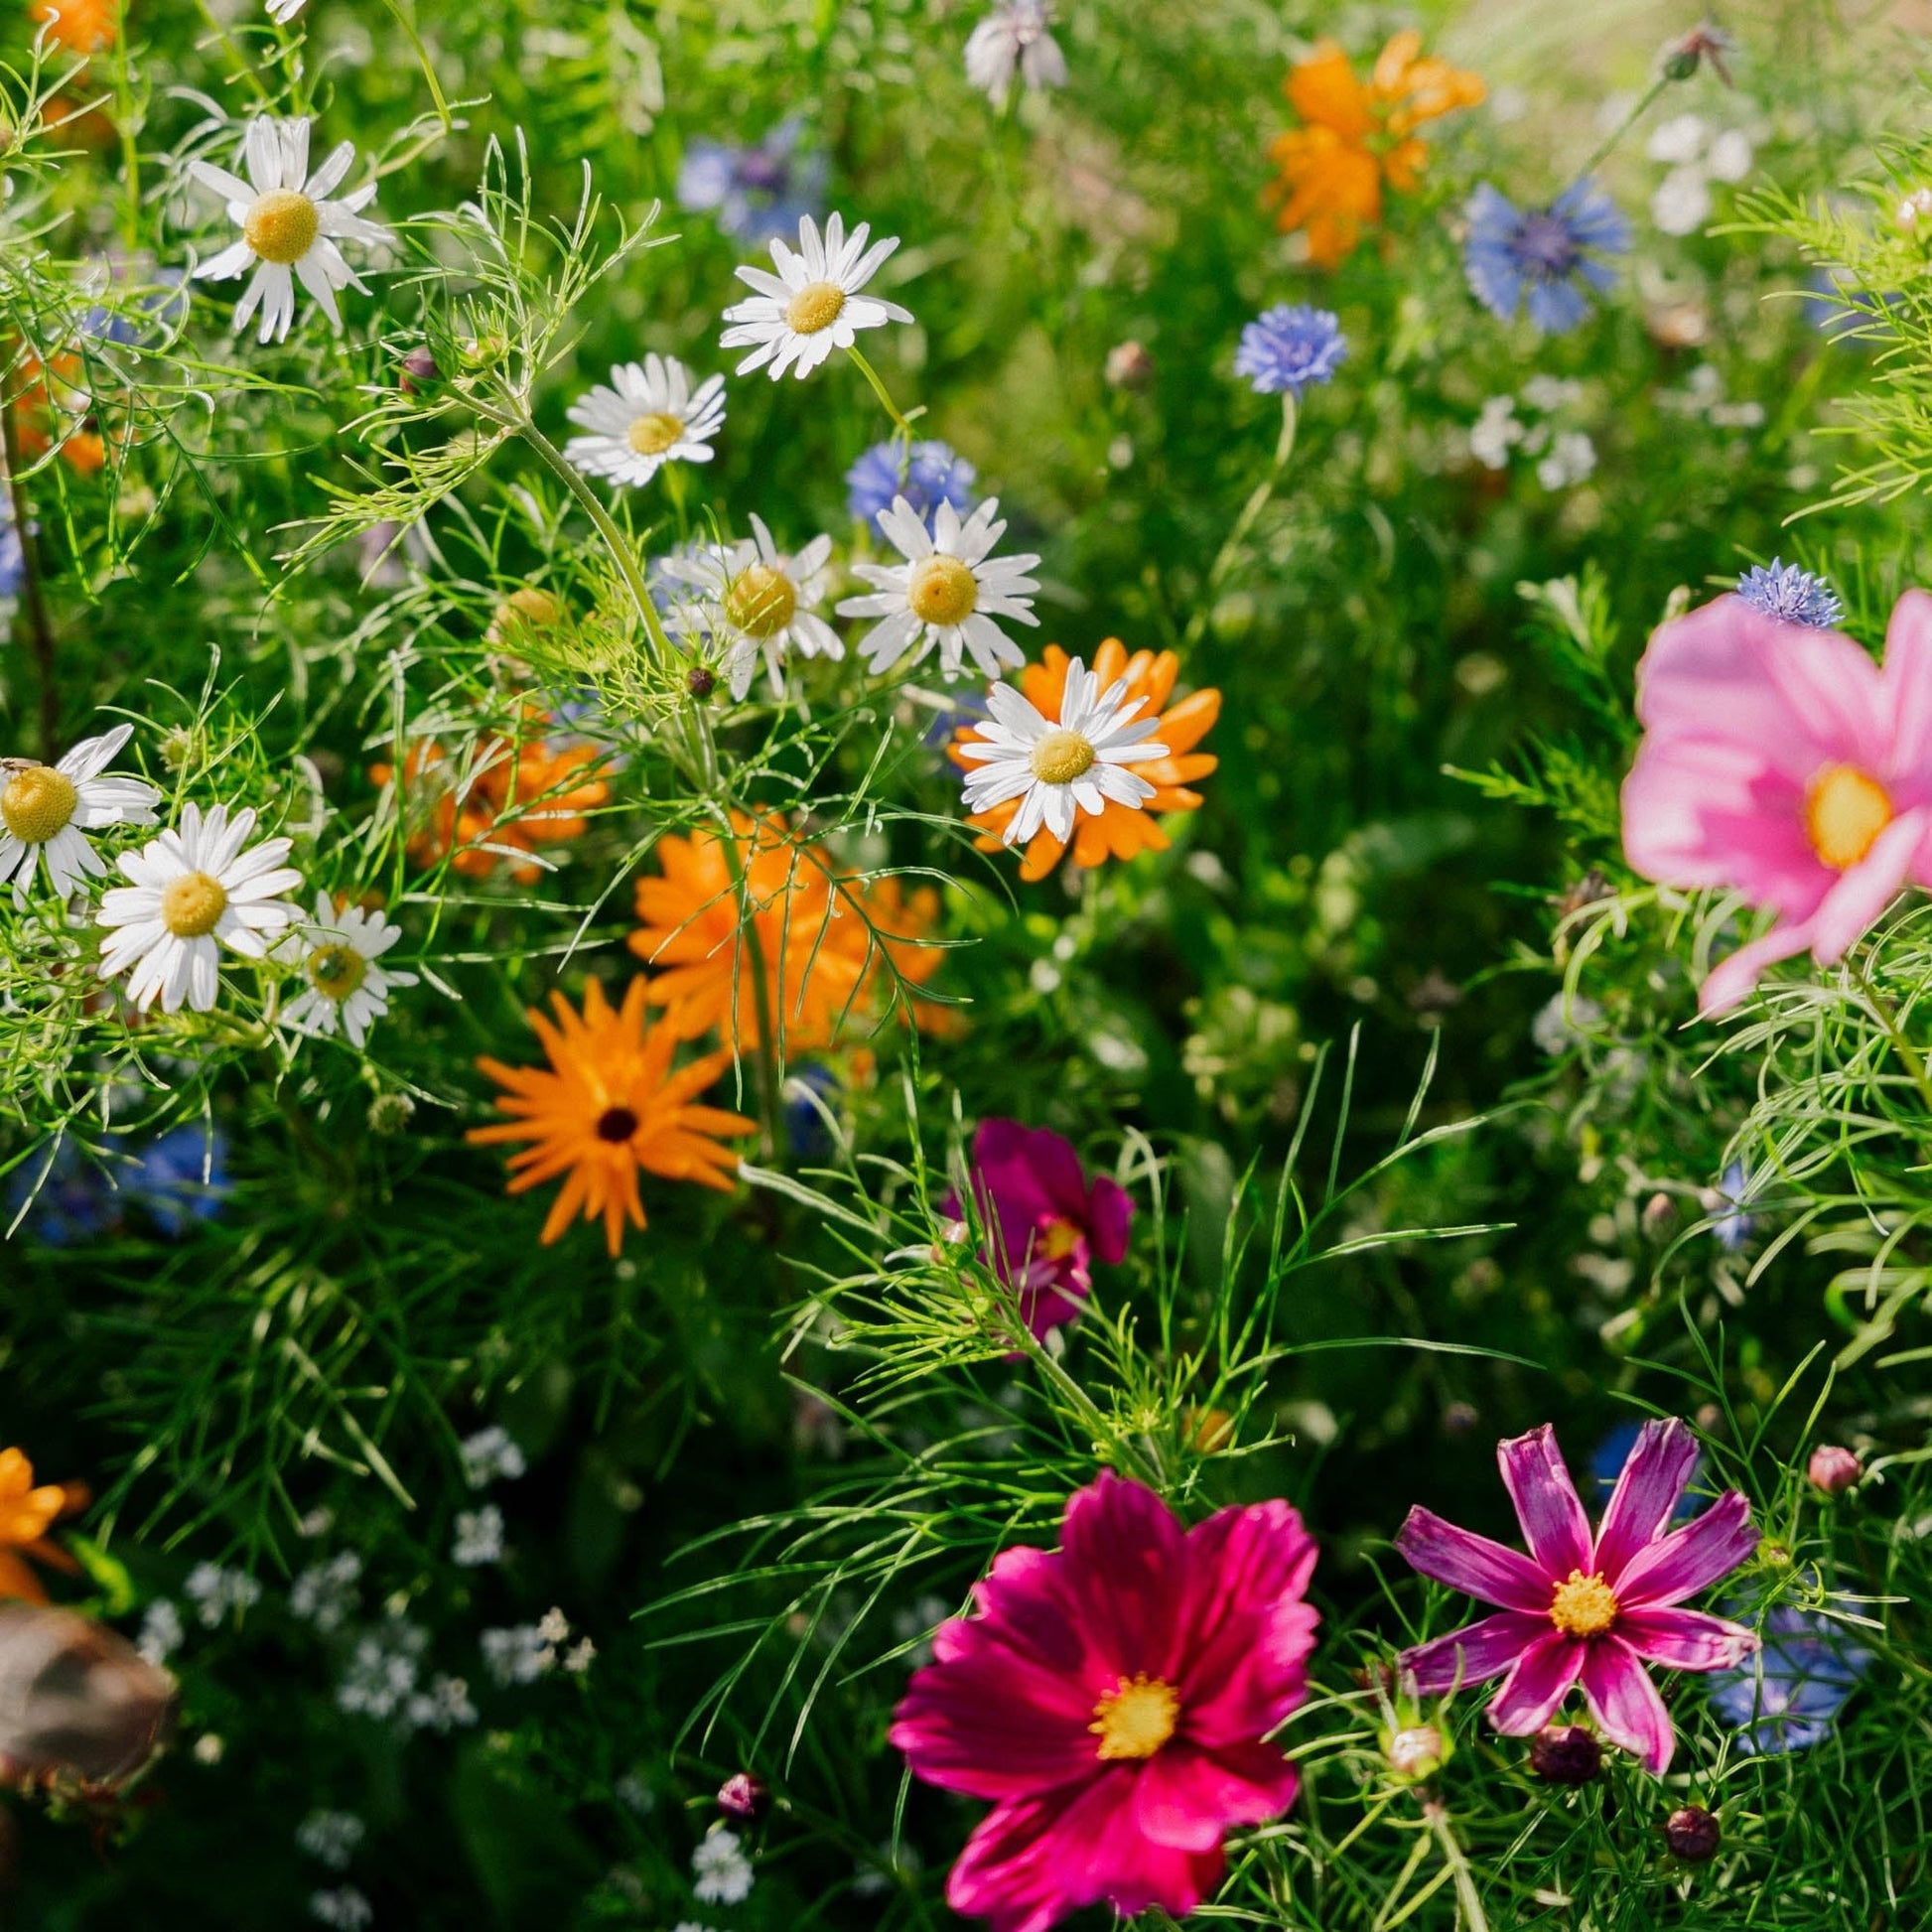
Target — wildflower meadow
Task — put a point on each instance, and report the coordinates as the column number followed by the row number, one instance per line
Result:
column 965, row 963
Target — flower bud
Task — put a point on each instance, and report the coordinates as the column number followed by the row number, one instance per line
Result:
column 1658, row 1211
column 1565, row 1754
column 391, row 1113
column 1685, row 55
column 1460, row 1419
column 701, row 681
column 1418, row 1752
column 1833, row 1470
column 742, row 1798
column 418, row 370
column 1693, row 1834
column 1129, row 367
column 1915, row 216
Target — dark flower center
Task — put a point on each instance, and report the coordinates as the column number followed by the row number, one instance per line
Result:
column 616, row 1124
column 1546, row 246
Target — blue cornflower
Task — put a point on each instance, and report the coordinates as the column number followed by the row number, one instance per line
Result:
column 1290, row 347
column 1733, row 1226
column 757, row 193
column 180, row 1178
column 809, row 1094
column 1607, row 1462
column 934, row 474
column 1784, row 590
column 1791, row 1693
column 13, row 558
column 74, row 1200
column 1546, row 253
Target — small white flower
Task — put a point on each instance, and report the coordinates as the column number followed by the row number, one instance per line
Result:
column 1550, row 393
column 443, row 1708
column 379, row 1679
column 1572, row 458
column 326, row 1594
column 217, row 1594
column 45, row 808
column 645, row 416
column 1014, row 37
column 191, row 886
column 812, row 306
column 756, row 598
column 1061, row 769
column 281, row 12
column 291, row 221
column 345, row 1910
column 1493, row 432
column 1562, row 1022
column 489, row 1454
column 342, row 986
column 330, row 1837
column 517, row 1655
column 1682, row 203
column 161, row 1631
column 947, row 592
column 723, row 1872
column 580, row 1656
column 554, row 1626
column 1679, row 140
column 479, row 1537
column 1730, row 158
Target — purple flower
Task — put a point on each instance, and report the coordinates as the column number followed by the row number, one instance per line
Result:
column 1787, row 1697
column 1582, row 1608
column 1784, row 590
column 1290, row 347
column 1047, row 1221
column 934, row 474
column 757, row 193
column 1545, row 254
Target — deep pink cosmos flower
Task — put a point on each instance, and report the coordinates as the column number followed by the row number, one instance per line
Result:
column 1113, row 1699
column 1781, row 762
column 1584, row 1609
column 1047, row 1221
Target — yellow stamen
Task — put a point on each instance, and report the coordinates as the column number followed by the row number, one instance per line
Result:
column 1845, row 811
column 1062, row 756
column 942, row 591
column 336, row 971
column 191, row 906
column 654, row 434
column 1583, row 1606
column 38, row 803
column 1135, row 1717
column 1058, row 1239
column 282, row 227
column 817, row 306
column 761, row 601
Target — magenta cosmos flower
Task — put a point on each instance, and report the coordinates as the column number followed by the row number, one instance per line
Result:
column 1781, row 762
column 1047, row 1221
column 1584, row 1609
column 1113, row 1699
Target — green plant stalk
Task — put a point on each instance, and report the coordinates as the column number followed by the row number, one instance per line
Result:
column 1888, row 1016
column 40, row 626
column 904, row 422
column 1226, row 556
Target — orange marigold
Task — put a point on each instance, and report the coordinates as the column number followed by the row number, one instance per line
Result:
column 81, row 26
column 1119, row 831
column 608, row 1105
column 49, row 411
column 1354, row 139
column 27, row 1512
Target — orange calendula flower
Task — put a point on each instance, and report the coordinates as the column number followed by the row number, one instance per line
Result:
column 609, row 1104
column 81, row 26
column 27, row 1512
column 51, row 411
column 1118, row 831
column 1355, row 139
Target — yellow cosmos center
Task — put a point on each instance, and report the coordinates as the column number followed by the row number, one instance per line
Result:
column 942, row 591
column 191, row 906
column 761, row 601
column 818, row 305
column 1058, row 1239
column 653, row 435
column 1583, row 1606
column 282, row 227
column 1062, row 756
column 336, row 971
column 1135, row 1718
column 1845, row 811
column 38, row 803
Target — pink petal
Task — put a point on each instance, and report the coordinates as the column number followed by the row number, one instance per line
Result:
column 1691, row 1558
column 1908, row 687
column 1110, row 1210
column 1655, row 1475
column 1554, row 1523
column 1472, row 1563
column 1733, row 977
column 1476, row 1653
column 1863, row 891
column 1685, row 1639
column 1124, row 1547
column 1628, row 1708
column 1538, row 1682
column 1191, row 1799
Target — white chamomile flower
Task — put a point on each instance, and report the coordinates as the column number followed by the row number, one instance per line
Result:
column 645, row 416
column 946, row 592
column 754, row 598
column 342, row 986
column 1015, row 39
column 291, row 221
column 191, row 886
column 45, row 808
column 812, row 306
column 281, row 12
column 1059, row 767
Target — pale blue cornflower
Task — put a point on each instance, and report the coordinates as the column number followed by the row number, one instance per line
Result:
column 936, row 473
column 1545, row 255
column 1788, row 1696
column 759, row 192
column 1793, row 595
column 1290, row 347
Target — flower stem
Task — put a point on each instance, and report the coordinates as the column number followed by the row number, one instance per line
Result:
column 747, row 925
column 1624, row 126
column 904, row 422
column 1886, row 1014
column 403, row 21
column 1468, row 1904
column 1257, row 501
column 40, row 626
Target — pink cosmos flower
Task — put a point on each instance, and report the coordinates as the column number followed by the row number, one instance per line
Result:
column 1113, row 1699
column 1047, row 1222
column 1580, row 1609
column 1781, row 762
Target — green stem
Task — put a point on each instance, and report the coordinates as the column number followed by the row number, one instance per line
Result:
column 1624, row 126
column 244, row 68
column 1888, row 1016
column 1466, row 1899
column 40, row 625
column 1224, row 560
column 1146, row 1468
column 747, row 925
column 403, row 21
column 879, row 389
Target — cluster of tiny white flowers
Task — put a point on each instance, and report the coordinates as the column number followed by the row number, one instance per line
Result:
column 161, row 1631
column 490, row 1455
column 220, row 1593
column 382, row 1667
column 330, row 1837
column 326, row 1594
column 1696, row 155
column 722, row 1874
column 1564, row 456
column 345, row 1910
column 479, row 1537
column 524, row 1652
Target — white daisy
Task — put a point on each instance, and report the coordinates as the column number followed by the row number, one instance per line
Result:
column 754, row 597
column 45, row 809
column 193, row 886
column 342, row 985
column 647, row 416
column 812, row 306
column 1014, row 38
column 281, row 12
column 1059, row 768
column 947, row 592
column 289, row 221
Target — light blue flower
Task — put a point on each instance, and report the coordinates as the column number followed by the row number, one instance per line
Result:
column 1733, row 1226
column 1290, row 347
column 1545, row 255
column 1784, row 590
column 936, row 473
column 757, row 192
column 1787, row 1697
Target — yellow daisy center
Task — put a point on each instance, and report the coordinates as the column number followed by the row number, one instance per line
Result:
column 761, row 601
column 1062, row 756
column 282, row 225
column 191, row 906
column 1845, row 811
column 336, row 971
column 816, row 306
column 1135, row 1717
column 38, row 803
column 942, row 591
column 653, row 435
column 1058, row 1239
column 1583, row 1606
